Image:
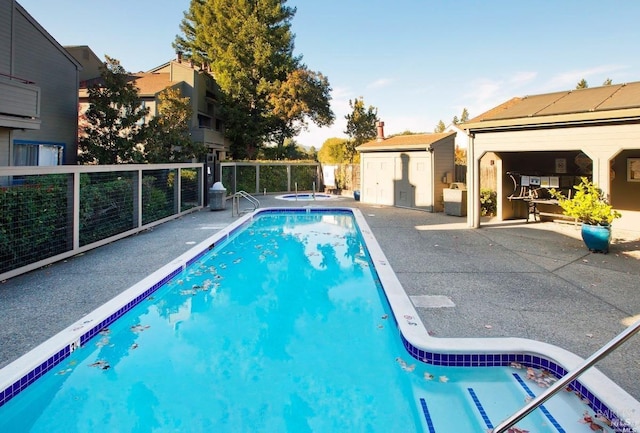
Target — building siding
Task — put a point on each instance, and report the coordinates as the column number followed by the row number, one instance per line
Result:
column 5, row 36
column 38, row 59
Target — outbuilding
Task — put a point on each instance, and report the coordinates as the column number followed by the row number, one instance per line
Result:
column 407, row 170
column 551, row 141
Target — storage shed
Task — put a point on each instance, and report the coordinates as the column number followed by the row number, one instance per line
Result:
column 407, row 170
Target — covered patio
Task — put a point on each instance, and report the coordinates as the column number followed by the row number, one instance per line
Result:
column 551, row 141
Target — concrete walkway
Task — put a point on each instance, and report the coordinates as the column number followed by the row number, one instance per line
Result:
column 533, row 280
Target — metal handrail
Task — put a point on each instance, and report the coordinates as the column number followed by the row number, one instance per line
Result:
column 565, row 380
column 235, row 204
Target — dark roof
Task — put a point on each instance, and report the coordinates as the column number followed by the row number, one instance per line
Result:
column 613, row 102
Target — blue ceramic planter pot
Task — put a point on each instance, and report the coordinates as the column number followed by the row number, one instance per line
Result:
column 596, row 238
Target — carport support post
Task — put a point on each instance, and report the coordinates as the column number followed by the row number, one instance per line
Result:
column 601, row 169
column 473, row 184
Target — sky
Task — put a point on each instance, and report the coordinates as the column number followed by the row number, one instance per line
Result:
column 416, row 61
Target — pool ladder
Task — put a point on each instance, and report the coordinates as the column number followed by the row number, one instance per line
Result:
column 235, row 203
column 568, row 378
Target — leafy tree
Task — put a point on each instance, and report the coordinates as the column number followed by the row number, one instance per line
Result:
column 113, row 124
column 607, row 82
column 332, row 151
column 361, row 126
column 168, row 137
column 440, row 127
column 303, row 95
column 582, row 84
column 267, row 94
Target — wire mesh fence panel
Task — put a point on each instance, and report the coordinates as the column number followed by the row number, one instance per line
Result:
column 273, row 178
column 246, row 178
column 228, row 176
column 158, row 194
column 190, row 188
column 35, row 215
column 305, row 176
column 106, row 204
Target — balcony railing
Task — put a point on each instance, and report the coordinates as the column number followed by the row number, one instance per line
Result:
column 19, row 98
column 210, row 137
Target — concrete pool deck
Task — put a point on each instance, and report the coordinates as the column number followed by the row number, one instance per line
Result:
column 508, row 279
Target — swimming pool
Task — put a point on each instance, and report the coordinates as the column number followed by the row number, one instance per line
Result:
column 318, row 272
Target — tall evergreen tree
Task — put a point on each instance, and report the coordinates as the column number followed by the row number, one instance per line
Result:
column 440, row 127
column 361, row 126
column 464, row 117
column 267, row 92
column 113, row 125
column 582, row 84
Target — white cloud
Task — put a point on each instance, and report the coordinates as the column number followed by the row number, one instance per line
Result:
column 522, row 78
column 379, row 83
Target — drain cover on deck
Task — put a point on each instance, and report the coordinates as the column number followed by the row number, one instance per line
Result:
column 432, row 301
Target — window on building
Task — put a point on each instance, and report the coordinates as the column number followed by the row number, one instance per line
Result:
column 204, row 121
column 37, row 153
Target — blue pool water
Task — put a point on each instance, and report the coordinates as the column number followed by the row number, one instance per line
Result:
column 281, row 327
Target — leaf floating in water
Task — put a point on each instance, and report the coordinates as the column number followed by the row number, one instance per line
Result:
column 443, row 379
column 103, row 365
column 134, row 346
column 427, row 376
column 384, row 317
column 63, row 372
column 139, row 328
column 102, row 342
column 236, row 261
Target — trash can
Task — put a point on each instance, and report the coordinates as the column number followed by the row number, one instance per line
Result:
column 217, row 196
column 455, row 199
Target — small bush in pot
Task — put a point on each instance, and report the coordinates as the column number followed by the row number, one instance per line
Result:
column 588, row 205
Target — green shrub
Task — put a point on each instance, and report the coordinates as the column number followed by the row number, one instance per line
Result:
column 33, row 221
column 488, row 200
column 106, row 206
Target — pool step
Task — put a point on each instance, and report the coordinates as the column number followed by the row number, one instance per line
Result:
column 487, row 405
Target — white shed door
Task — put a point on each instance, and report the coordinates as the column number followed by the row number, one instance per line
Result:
column 378, row 180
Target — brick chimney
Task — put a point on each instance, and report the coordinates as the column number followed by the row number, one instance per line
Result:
column 179, row 57
column 380, row 126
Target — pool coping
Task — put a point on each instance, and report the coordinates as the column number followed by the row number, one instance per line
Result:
column 609, row 398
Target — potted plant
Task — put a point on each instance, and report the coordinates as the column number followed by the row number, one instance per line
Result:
column 589, row 206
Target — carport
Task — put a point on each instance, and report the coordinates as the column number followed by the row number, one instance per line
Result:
column 554, row 139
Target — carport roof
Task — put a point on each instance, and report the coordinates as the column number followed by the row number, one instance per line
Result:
column 405, row 142
column 613, row 103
